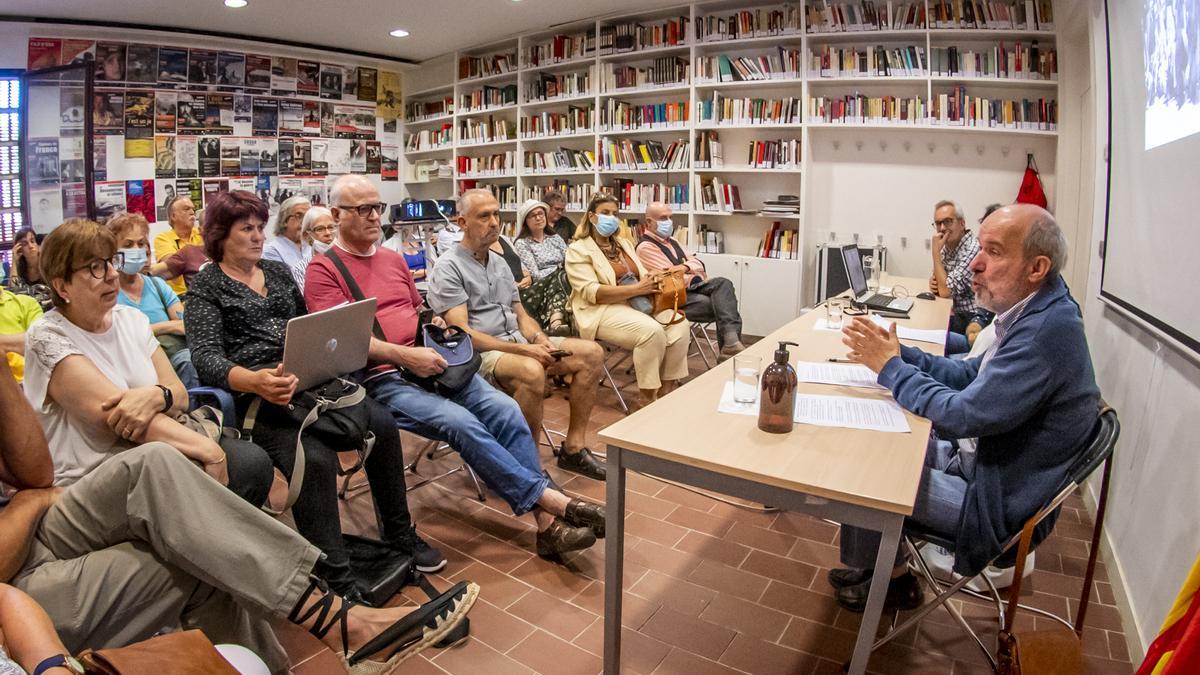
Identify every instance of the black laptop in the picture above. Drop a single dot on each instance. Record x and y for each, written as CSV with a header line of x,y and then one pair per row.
x,y
858,286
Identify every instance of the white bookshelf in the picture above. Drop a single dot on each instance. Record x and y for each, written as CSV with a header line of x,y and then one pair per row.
x,y
744,229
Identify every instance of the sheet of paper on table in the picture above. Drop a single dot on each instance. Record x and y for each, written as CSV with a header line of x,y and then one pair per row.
x,y
934,335
831,411
848,374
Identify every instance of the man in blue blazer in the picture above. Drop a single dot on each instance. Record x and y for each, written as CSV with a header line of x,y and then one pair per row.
x,y
1007,425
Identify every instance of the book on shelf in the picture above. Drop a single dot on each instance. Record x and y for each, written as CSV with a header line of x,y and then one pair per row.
x,y
634,196
645,155
548,86
486,66
486,130
715,195
721,109
628,36
577,119
662,71
953,108
420,110
992,14
708,150
863,109
560,48
824,16
495,164
776,154
506,195
562,159
489,96
835,61
708,240
617,115
429,139
749,23
1023,61
779,243
783,63
577,195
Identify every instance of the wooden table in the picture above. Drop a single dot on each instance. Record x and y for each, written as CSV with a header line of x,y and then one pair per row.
x,y
863,478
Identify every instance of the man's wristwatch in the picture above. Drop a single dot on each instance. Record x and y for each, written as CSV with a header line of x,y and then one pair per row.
x,y
60,661
168,398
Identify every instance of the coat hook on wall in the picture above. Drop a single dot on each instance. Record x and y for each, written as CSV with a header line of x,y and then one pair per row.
x,y
882,145
907,146
931,146
837,144
979,149
954,148
1004,150
858,144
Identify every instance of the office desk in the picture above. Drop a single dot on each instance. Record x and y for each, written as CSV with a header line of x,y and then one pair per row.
x,y
863,478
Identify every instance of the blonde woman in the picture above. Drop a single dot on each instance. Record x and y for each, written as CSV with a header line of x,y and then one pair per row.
x,y
607,283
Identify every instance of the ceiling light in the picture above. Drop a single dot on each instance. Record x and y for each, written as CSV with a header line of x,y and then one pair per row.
x,y
235,3
399,32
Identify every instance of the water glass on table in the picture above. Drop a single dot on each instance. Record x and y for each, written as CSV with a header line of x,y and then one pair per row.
x,y
834,307
745,378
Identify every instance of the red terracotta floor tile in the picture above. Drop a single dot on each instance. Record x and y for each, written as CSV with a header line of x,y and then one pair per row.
x,y
547,654
694,635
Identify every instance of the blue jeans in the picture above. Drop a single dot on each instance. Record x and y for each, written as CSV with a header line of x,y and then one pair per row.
x,y
182,363
482,424
939,503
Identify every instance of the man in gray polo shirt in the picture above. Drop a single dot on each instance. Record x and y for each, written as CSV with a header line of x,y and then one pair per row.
x,y
474,288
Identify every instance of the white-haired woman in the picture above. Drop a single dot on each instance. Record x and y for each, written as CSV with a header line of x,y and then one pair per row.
x,y
288,247
316,230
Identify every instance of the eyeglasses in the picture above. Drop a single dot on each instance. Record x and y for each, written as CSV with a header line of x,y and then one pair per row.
x,y
99,267
322,229
366,210
945,222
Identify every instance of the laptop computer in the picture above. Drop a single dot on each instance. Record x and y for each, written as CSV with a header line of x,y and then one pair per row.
x,y
858,285
330,343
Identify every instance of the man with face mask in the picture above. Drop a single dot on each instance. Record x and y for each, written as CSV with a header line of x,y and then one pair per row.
x,y
708,299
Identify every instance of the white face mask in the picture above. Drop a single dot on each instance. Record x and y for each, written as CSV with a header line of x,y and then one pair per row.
x,y
665,227
320,246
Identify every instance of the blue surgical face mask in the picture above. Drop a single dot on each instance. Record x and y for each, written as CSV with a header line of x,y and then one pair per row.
x,y
607,224
135,260
665,227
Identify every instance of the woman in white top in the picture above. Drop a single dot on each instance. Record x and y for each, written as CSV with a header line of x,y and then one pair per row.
x,y
317,230
99,380
288,247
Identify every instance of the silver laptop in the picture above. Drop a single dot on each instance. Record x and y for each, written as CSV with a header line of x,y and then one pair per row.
x,y
330,343
858,285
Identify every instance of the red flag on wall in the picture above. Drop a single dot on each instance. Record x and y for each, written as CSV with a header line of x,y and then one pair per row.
x,y
1031,185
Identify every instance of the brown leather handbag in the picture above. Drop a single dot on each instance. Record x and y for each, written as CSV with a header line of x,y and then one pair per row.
x,y
671,295
188,652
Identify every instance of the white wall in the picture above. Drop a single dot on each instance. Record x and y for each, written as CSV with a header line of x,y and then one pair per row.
x,y
14,38
1151,528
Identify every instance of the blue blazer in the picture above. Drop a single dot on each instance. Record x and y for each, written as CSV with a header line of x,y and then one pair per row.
x,y
1032,410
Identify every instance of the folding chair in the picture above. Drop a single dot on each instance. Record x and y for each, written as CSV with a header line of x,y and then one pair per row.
x,y
701,338
606,366
1099,451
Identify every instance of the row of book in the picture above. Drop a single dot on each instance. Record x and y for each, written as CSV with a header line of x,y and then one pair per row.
x,y
715,195
708,149
780,243
721,109
486,130
577,195
495,164
488,97
634,196
547,86
1021,62
781,153
632,36
708,240
876,61
577,119
429,139
486,66
642,155
664,70
783,64
422,110
952,109
506,195
617,115
865,15
562,159
749,23
992,14
559,48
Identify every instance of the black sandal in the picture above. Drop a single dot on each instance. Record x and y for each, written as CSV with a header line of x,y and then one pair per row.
x,y
428,625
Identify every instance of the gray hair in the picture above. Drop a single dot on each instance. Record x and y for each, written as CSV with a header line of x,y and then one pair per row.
x,y
553,196
958,212
335,191
311,218
285,211
1046,238
991,208
469,196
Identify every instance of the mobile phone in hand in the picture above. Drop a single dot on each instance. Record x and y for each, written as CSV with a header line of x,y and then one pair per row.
x,y
559,353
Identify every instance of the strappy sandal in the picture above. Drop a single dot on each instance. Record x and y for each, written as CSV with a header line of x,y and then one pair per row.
x,y
423,628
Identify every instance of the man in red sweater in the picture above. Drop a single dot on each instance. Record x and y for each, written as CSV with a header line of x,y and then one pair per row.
x,y
483,424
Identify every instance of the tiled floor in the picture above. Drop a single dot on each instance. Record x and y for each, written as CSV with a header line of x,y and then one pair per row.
x,y
709,588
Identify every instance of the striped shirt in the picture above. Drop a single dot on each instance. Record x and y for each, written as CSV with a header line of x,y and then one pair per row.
x,y
958,272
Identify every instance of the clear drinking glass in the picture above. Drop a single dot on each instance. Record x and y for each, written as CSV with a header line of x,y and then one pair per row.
x,y
871,272
833,313
745,378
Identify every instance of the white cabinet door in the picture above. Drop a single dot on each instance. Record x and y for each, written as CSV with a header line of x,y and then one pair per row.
x,y
769,293
722,265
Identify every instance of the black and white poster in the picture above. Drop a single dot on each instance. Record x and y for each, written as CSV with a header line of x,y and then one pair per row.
x,y
231,70
172,66
141,64
331,81
266,116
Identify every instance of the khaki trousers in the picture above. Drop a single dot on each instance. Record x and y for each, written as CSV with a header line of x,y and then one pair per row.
x,y
659,352
147,541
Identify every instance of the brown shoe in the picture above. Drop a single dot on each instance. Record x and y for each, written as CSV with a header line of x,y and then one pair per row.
x,y
586,514
582,462
562,538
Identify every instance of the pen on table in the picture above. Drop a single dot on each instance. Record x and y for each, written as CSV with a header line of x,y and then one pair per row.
x,y
840,361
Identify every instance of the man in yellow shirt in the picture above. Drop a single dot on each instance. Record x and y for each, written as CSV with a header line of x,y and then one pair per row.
x,y
17,312
181,213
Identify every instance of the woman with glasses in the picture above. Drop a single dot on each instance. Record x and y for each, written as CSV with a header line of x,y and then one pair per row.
x,y
99,380
543,253
26,277
236,321
288,246
317,230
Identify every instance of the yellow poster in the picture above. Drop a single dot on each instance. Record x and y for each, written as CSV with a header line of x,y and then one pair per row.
x,y
388,103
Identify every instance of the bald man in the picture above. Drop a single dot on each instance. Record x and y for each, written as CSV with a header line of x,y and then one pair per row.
x,y
1008,424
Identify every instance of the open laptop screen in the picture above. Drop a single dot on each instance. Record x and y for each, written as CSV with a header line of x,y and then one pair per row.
x,y
854,270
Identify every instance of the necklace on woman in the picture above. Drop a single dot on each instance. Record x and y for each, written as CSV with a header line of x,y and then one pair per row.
x,y
611,250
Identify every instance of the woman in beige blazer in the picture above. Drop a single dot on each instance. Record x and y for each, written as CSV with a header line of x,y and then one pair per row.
x,y
596,259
